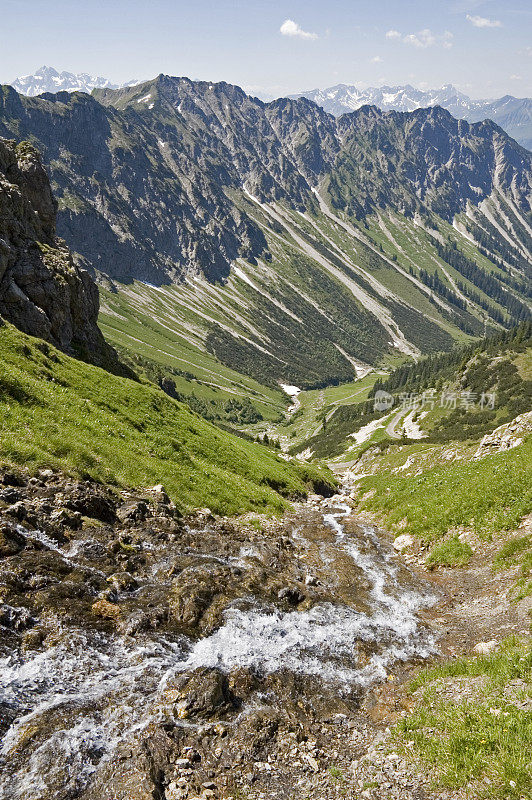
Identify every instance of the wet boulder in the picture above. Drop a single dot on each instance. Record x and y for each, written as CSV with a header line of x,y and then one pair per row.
x,y
149,620
67,518
203,693
133,512
90,501
10,495
11,540
106,610
257,732
292,595
135,772
243,681
122,582
21,510
33,639
199,596
17,619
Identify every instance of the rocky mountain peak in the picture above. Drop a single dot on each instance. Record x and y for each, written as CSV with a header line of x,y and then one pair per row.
x,y
48,79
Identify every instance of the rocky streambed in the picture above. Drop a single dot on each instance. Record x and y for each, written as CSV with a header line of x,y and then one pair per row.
x,y
148,656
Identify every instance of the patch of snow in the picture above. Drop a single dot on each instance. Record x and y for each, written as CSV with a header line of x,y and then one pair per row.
x,y
305,455
291,391
365,432
151,285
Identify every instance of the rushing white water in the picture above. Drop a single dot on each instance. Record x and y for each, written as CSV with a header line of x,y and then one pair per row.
x,y
318,642
97,687
322,641
77,700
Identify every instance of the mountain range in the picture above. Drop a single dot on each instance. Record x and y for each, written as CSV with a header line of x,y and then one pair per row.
x,y
514,114
233,237
48,79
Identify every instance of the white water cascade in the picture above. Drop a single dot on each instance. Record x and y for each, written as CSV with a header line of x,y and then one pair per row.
x,y
72,704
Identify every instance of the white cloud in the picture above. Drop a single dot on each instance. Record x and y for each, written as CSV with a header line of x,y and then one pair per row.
x,y
447,40
291,28
425,38
393,34
377,60
516,77
483,22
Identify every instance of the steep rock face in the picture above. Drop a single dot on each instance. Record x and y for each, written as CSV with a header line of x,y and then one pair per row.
x,y
145,175
308,134
425,159
142,192
42,292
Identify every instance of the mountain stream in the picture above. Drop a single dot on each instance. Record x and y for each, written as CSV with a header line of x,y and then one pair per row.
x,y
74,693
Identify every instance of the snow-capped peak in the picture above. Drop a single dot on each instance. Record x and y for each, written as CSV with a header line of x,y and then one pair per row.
x,y
48,79
511,113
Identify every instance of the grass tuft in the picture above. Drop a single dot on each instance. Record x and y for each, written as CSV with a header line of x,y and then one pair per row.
x,y
468,742
450,553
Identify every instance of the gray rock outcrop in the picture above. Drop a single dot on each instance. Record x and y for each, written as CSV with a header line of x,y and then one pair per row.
x,y
42,291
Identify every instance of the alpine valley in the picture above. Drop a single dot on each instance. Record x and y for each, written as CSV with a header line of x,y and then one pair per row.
x,y
274,240
265,448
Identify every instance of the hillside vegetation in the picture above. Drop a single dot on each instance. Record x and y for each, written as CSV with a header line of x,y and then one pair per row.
x,y
488,495
498,367
62,413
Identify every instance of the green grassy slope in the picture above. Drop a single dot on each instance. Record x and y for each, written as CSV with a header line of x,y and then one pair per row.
x,y
484,739
59,412
488,495
155,324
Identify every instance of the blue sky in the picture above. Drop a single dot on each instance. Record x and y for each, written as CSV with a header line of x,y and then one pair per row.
x,y
274,48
